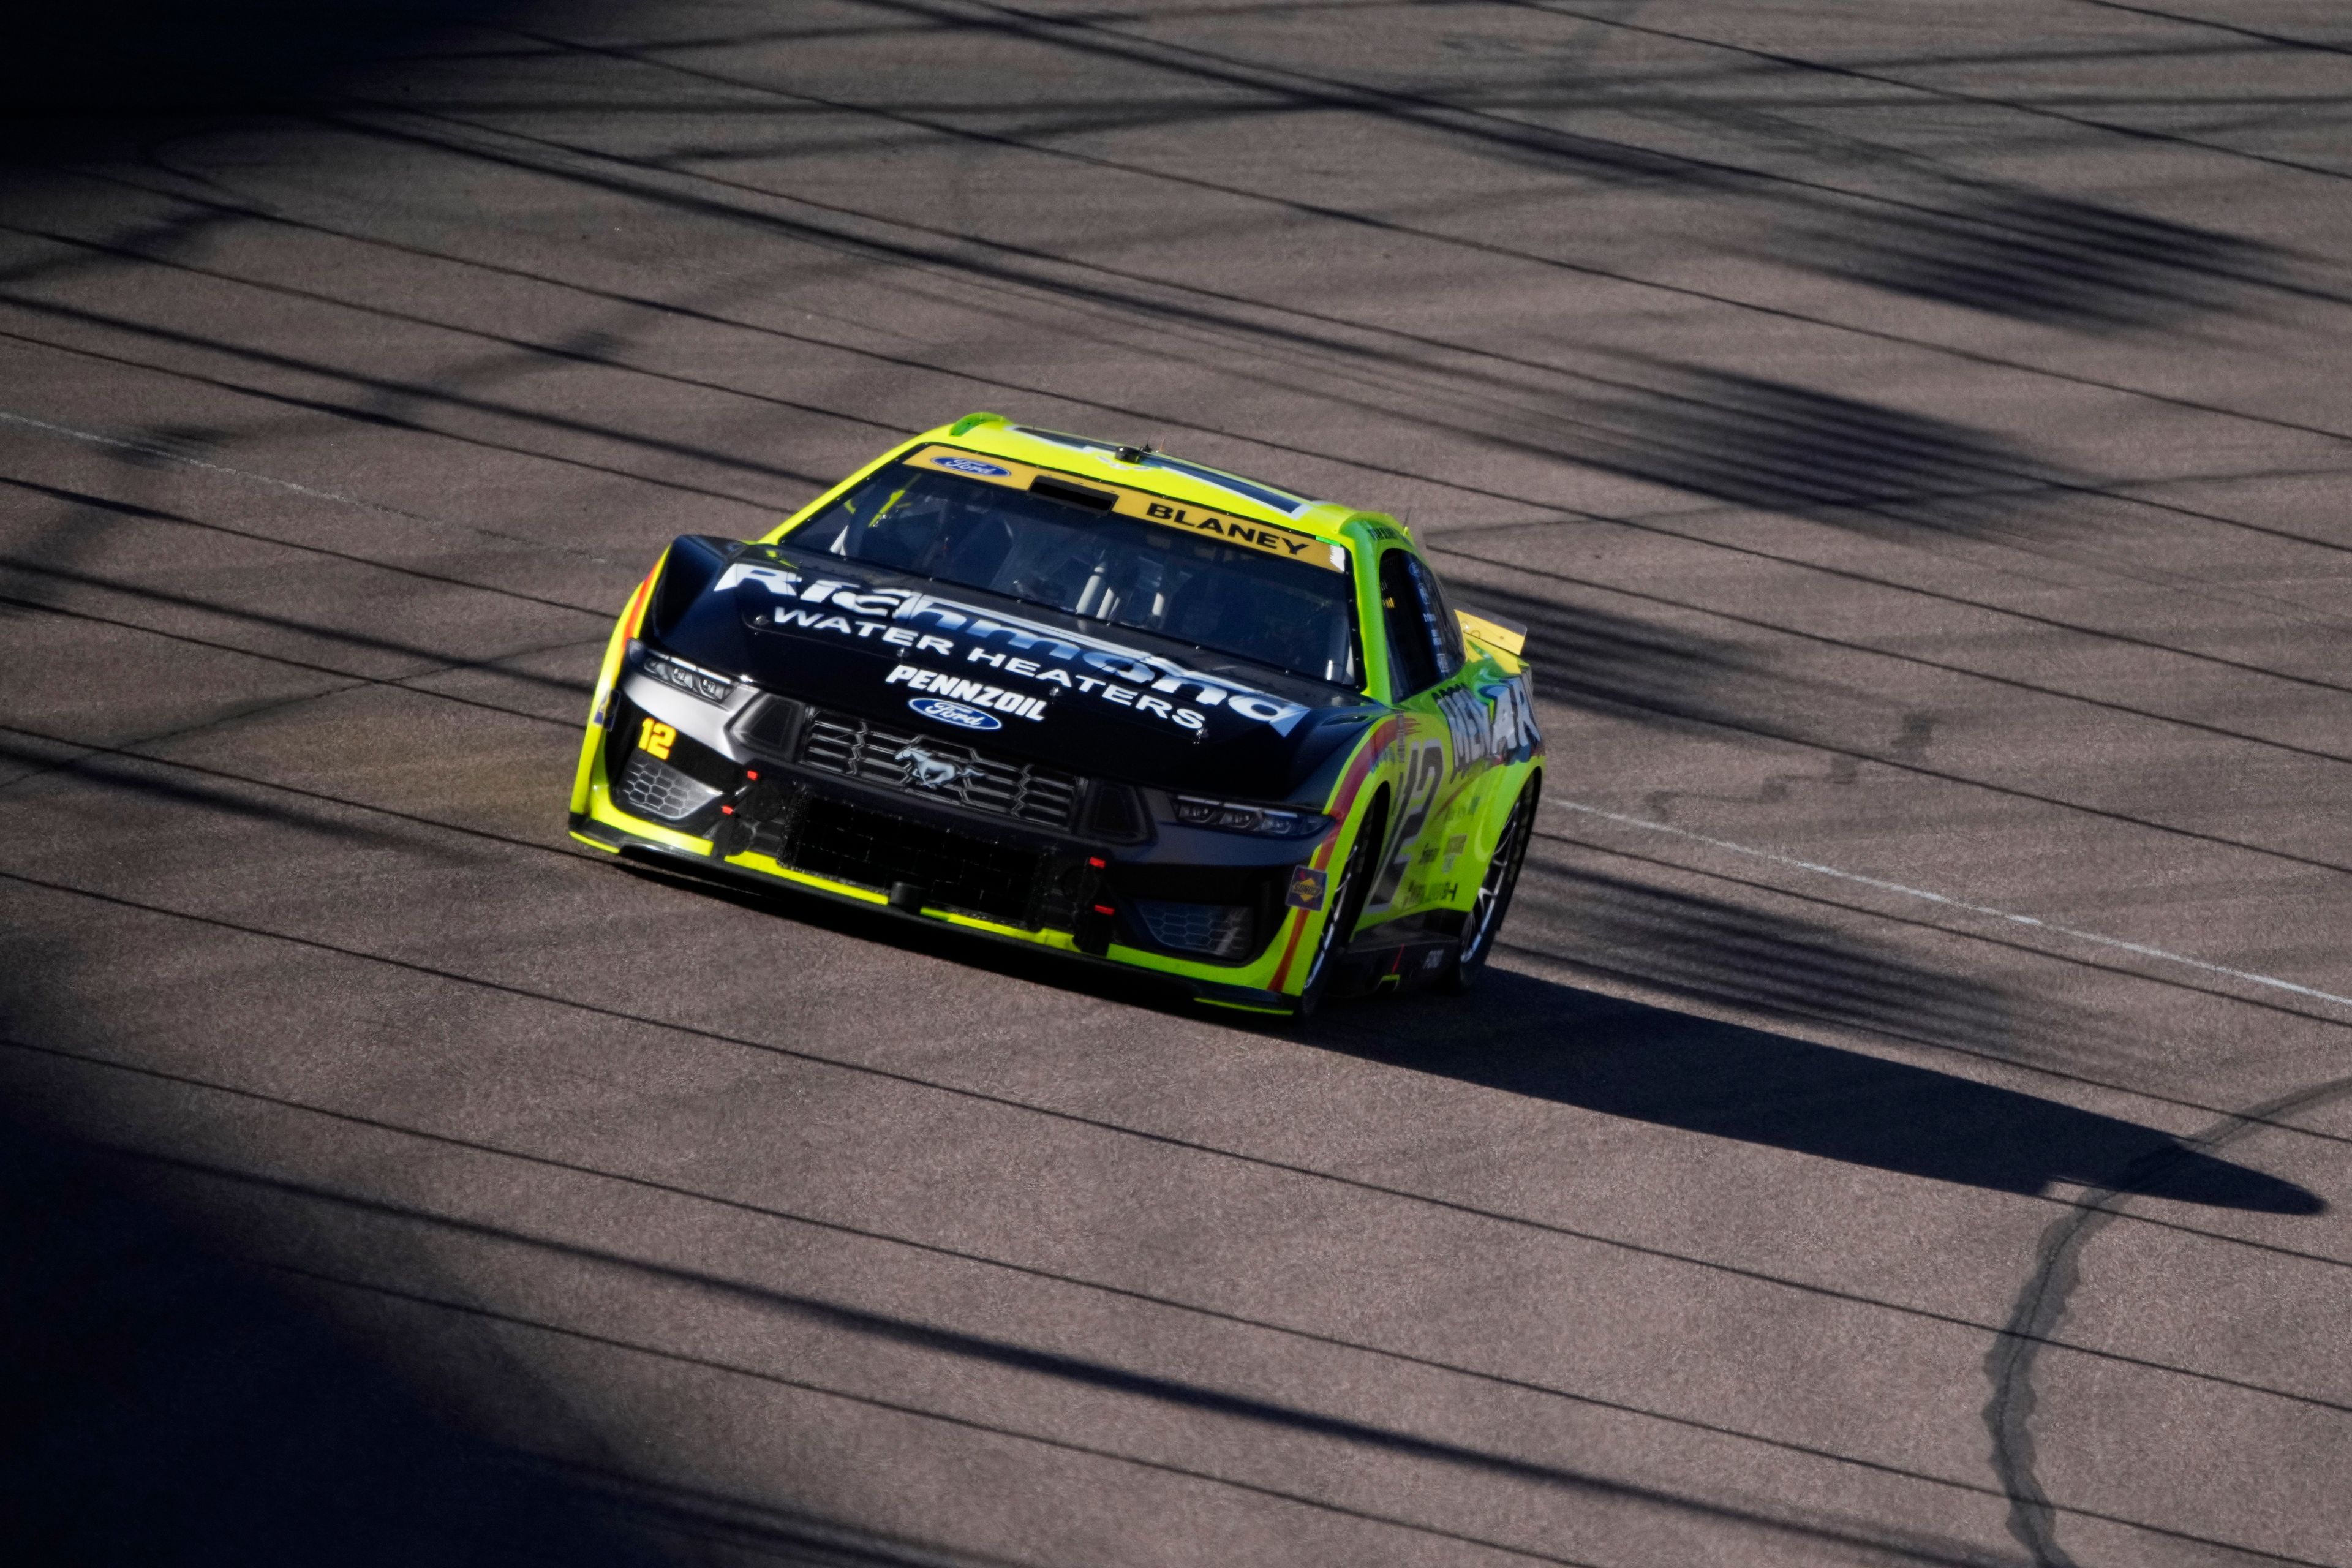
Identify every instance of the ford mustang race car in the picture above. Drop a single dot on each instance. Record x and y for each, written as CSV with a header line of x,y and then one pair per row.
x,y
1087,696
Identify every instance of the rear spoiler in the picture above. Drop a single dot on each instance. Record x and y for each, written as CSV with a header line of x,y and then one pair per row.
x,y
1495,631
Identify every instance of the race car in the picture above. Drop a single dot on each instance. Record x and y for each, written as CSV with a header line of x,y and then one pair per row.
x,y
1088,697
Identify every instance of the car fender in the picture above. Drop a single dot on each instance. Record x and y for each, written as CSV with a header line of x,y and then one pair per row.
x,y
608,675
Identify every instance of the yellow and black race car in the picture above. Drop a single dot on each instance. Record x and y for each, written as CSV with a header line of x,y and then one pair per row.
x,y
1087,696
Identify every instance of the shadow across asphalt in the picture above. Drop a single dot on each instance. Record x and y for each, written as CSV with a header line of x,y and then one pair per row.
x,y
130,58
1530,1035
2037,257
163,1403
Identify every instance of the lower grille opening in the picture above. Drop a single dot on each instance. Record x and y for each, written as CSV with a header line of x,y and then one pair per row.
x,y
1225,914
651,787
874,849
1213,930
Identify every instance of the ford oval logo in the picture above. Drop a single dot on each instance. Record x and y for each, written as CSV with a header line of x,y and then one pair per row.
x,y
954,713
972,466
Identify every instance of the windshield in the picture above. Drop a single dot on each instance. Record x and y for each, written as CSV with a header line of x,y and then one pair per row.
x,y
1120,571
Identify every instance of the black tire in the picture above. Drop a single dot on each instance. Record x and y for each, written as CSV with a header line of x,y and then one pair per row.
x,y
1494,901
1347,907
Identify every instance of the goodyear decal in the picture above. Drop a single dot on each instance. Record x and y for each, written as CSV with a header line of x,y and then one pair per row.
x,y
1265,537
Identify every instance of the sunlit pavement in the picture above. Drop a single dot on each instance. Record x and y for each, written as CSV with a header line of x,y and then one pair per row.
x,y
1906,1121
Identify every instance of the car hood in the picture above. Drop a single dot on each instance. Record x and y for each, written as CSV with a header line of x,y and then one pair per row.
x,y
1005,675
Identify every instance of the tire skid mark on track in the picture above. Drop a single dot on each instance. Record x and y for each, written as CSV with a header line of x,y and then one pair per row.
x,y
1211,1314
1360,464
2076,961
86,750
962,265
324,632
1102,35
2061,1075
355,682
2150,825
1081,1372
1053,32
2039,1311
1848,646
965,268
1164,1140
1790,738
757,1375
636,185
408,392
154,515
372,416
319,797
2139,949
550,351
2095,634
1487,434
2131,133
1651,523
180,519
2282,40
165,455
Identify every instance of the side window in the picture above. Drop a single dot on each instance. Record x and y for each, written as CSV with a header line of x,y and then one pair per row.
x,y
1405,611
1444,627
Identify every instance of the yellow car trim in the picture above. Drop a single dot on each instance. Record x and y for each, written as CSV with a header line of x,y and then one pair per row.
x,y
1191,516
1480,629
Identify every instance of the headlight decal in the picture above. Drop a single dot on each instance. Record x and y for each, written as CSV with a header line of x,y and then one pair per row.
x,y
693,680
1239,816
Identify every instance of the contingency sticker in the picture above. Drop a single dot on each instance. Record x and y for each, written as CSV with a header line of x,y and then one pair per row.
x,y
1288,543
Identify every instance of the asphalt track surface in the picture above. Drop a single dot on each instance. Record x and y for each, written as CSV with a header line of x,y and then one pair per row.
x,y
1911,1117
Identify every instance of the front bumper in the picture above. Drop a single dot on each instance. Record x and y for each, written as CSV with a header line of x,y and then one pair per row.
x,y
738,790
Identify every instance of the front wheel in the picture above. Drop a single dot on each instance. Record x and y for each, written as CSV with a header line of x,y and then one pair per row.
x,y
1347,905
1494,901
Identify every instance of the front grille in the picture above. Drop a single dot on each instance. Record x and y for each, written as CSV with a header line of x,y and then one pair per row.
x,y
943,770
651,787
1219,930
876,850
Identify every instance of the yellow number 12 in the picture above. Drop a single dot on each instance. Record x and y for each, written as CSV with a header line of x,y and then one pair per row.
x,y
655,738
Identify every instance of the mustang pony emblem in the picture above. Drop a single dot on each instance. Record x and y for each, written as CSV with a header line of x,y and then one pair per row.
x,y
931,772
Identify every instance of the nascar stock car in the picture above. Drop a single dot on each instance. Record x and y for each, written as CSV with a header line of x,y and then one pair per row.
x,y
1088,697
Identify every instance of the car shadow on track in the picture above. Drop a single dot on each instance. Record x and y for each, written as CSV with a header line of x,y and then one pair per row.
x,y
1748,1081
1525,1035
1528,1036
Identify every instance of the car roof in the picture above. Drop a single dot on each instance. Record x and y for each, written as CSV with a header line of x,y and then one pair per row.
x,y
1162,473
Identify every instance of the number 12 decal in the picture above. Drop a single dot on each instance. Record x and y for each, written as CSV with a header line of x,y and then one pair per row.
x,y
1424,770
655,737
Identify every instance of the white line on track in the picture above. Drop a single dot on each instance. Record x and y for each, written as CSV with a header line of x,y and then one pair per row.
x,y
164,454
1815,866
